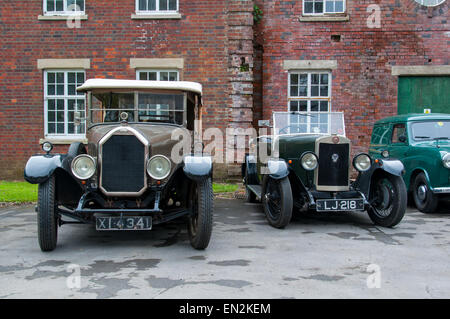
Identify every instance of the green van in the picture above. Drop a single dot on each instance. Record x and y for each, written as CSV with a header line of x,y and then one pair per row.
x,y
422,143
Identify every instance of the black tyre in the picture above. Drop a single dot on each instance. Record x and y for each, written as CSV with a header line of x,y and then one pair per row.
x,y
277,202
46,216
423,197
388,197
250,197
201,222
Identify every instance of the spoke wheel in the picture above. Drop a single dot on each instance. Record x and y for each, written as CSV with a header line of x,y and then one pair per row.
x,y
277,202
388,198
200,222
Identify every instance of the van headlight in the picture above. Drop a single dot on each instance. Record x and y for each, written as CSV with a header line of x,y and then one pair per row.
x,y
362,162
158,167
83,167
446,160
309,161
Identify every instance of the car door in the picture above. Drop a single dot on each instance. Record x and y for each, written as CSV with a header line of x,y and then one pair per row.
x,y
399,146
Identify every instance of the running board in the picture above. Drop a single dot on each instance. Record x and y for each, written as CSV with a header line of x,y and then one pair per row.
x,y
256,189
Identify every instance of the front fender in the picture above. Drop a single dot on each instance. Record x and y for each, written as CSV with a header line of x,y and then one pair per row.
x,y
39,168
197,167
393,167
278,169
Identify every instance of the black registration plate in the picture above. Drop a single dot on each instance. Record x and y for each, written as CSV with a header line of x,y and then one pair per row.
x,y
339,205
124,223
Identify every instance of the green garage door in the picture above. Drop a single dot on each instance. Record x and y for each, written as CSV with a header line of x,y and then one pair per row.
x,y
417,93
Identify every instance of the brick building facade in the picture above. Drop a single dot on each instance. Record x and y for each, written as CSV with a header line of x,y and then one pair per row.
x,y
244,67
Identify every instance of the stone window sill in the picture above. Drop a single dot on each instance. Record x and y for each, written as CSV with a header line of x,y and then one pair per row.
x,y
62,140
325,18
62,17
168,16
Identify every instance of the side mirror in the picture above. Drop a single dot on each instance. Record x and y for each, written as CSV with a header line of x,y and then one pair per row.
x,y
402,139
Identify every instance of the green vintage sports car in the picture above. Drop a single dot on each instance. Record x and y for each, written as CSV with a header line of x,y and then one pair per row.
x,y
422,143
306,165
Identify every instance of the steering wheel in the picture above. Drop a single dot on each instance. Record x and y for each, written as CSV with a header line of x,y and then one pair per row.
x,y
284,130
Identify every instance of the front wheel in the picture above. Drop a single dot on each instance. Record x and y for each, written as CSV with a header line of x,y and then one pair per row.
x,y
277,202
200,223
46,216
423,197
388,197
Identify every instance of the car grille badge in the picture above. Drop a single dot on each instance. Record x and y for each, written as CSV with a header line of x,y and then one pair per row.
x,y
335,158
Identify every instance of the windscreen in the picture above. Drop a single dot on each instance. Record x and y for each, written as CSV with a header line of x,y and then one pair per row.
x,y
431,130
285,123
150,107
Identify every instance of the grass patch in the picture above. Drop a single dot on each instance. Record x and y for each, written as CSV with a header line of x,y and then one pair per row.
x,y
18,192
225,188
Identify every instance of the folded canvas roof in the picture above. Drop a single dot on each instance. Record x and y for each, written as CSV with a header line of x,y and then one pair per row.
x,y
93,84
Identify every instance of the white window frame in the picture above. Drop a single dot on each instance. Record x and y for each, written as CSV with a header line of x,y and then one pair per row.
x,y
308,98
66,97
157,10
158,73
65,11
344,9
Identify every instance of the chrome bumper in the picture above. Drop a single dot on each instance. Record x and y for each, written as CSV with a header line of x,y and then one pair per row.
x,y
441,190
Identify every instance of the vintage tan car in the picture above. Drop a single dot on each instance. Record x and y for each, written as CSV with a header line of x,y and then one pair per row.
x,y
127,178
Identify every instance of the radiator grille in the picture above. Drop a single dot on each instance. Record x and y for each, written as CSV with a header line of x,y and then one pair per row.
x,y
333,164
123,167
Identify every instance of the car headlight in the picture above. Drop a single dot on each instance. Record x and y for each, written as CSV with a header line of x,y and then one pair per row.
x,y
83,167
158,167
47,147
309,161
446,160
362,162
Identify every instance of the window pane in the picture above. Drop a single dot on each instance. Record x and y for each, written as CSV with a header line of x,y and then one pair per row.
x,y
60,89
151,5
303,91
173,76
80,78
51,90
294,79
51,104
323,106
324,79
164,76
162,5
51,77
309,7
60,78
303,106
143,76
293,106
51,128
294,90
318,7
173,5
339,6
152,76
60,105
80,4
71,77
60,128
324,90
72,90
304,79
51,116
50,5
314,90
329,6
142,5
314,78
59,5
314,106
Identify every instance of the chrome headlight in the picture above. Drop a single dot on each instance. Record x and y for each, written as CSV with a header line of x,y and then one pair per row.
x,y
158,167
47,147
362,162
309,161
446,160
83,167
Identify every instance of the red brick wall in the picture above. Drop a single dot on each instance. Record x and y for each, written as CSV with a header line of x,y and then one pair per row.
x,y
109,38
363,86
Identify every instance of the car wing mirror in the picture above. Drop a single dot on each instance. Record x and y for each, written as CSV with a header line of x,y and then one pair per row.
x,y
402,139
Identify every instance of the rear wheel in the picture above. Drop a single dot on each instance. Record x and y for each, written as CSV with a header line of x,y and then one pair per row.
x,y
277,202
200,223
423,197
46,215
388,198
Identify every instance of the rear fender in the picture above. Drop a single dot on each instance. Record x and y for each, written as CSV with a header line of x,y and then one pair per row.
x,y
249,166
